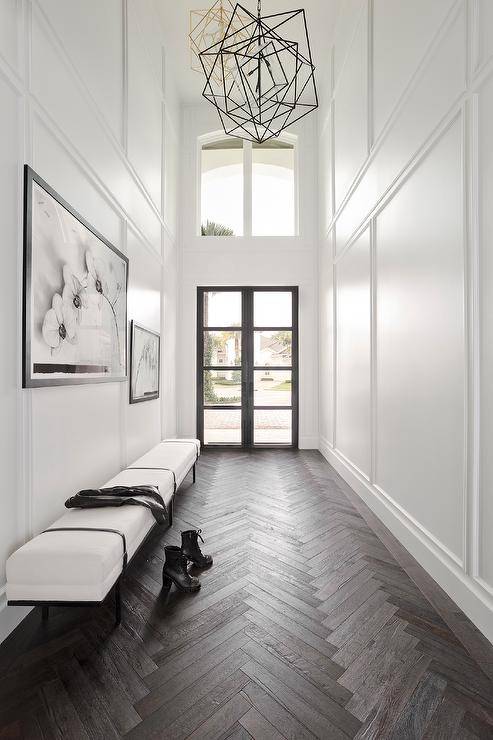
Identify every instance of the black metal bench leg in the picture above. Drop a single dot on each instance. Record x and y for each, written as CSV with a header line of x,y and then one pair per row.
x,y
118,603
194,475
45,613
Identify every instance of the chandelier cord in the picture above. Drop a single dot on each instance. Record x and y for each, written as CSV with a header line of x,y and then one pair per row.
x,y
259,8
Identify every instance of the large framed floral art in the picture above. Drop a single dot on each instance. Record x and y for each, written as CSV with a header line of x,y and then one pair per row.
x,y
75,295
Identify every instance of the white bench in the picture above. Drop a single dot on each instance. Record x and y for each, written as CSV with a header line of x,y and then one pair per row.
x,y
81,564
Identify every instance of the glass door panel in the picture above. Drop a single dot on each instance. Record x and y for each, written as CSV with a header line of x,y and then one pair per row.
x,y
272,388
275,407
273,308
222,348
273,348
272,427
222,427
222,387
222,308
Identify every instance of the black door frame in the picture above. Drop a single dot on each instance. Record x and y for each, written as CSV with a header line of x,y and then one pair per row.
x,y
247,363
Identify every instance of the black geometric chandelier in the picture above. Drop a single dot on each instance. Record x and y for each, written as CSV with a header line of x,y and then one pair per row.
x,y
259,81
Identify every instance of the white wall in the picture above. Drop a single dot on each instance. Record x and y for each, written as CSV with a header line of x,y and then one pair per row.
x,y
84,102
248,261
406,277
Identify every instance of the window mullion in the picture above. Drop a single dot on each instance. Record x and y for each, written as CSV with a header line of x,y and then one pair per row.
x,y
247,188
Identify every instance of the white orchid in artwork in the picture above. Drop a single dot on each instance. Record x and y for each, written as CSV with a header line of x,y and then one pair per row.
x,y
62,320
74,293
59,325
98,272
96,269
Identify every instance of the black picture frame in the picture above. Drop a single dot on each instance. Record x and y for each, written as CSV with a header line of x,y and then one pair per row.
x,y
152,395
85,373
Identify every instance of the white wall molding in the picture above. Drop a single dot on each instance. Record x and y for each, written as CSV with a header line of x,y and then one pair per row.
x,y
324,442
478,65
472,598
117,145
373,351
158,79
357,471
480,307
44,116
334,346
426,148
434,124
472,316
9,619
63,154
411,85
474,22
485,587
397,510
10,76
124,121
370,133
483,76
15,67
335,78
120,147
308,442
224,245
45,119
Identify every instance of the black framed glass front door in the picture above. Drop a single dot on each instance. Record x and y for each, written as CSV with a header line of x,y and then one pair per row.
x,y
247,366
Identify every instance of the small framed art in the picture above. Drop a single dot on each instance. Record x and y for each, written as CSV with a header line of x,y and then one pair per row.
x,y
144,363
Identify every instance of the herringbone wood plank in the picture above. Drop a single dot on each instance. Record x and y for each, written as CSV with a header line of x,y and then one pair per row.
x,y
306,626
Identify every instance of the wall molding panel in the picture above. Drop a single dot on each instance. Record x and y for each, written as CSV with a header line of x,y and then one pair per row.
x,y
475,600
432,542
117,144
86,160
458,8
432,134
483,176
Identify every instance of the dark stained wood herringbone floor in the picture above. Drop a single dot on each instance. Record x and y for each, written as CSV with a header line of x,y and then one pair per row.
x,y
306,626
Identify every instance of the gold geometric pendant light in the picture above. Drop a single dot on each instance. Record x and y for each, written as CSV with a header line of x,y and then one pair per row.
x,y
208,27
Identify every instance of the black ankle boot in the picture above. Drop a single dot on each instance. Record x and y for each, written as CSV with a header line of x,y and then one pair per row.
x,y
175,571
190,547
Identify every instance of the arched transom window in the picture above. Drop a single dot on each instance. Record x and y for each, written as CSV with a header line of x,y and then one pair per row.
x,y
248,189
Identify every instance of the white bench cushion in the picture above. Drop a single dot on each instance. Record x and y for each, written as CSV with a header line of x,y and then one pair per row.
x,y
176,455
175,440
77,566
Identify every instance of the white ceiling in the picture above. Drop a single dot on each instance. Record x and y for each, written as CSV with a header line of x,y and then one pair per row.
x,y
321,16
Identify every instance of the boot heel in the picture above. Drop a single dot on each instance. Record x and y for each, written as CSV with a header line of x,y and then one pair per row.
x,y
175,571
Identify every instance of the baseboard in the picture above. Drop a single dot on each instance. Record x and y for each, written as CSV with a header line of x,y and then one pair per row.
x,y
308,443
10,616
467,593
